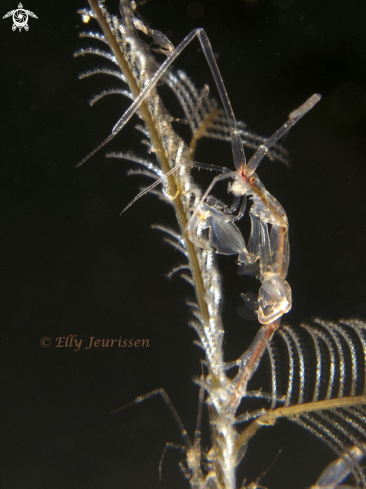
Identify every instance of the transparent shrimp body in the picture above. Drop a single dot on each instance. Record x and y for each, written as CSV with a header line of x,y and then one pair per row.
x,y
223,234
267,248
267,254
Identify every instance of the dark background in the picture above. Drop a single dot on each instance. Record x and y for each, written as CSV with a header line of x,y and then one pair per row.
x,y
70,265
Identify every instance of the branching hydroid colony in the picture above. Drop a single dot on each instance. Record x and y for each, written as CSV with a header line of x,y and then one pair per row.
x,y
326,398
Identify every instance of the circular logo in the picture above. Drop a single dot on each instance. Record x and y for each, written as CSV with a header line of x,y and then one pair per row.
x,y
20,18
45,342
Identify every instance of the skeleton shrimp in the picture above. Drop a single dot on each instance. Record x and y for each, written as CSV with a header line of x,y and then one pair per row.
x,y
196,459
267,251
267,254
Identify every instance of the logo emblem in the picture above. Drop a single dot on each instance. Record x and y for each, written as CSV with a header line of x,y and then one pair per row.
x,y
20,17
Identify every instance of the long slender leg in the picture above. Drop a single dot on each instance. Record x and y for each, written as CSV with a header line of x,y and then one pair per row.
x,y
238,151
168,445
237,146
170,405
170,172
193,451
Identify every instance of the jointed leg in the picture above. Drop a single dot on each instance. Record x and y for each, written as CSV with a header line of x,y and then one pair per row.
x,y
237,146
169,403
193,451
218,178
194,164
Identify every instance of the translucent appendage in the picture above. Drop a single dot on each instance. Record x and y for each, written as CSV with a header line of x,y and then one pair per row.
x,y
336,472
248,268
250,307
254,246
269,210
274,298
224,236
280,250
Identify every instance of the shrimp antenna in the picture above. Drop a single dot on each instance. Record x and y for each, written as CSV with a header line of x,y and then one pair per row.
x,y
95,150
205,166
237,146
254,485
294,117
150,187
